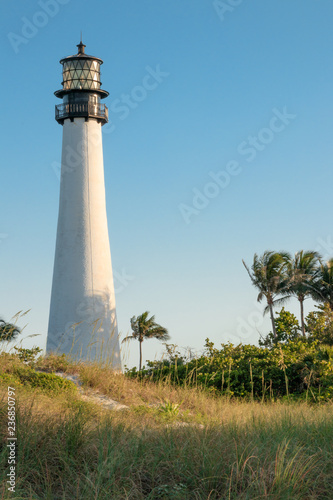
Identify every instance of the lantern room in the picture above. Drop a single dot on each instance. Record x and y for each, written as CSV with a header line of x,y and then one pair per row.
x,y
81,88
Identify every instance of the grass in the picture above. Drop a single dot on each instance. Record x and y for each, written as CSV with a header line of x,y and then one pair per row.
x,y
68,448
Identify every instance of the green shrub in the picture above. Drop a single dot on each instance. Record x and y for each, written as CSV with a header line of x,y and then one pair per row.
x,y
319,324
47,382
297,368
287,329
28,355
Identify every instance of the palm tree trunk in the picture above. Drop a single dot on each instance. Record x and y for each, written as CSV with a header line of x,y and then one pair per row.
x,y
302,316
272,317
140,363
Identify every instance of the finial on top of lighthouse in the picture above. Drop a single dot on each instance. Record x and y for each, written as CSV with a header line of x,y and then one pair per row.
x,y
81,46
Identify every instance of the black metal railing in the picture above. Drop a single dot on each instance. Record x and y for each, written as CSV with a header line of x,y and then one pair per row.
x,y
83,109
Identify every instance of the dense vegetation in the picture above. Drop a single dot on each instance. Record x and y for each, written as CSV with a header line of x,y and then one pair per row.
x,y
286,365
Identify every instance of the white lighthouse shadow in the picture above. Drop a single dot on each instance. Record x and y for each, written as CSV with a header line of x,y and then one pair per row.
x,y
92,333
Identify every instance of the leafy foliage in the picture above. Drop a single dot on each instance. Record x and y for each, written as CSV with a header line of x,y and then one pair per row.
x,y
47,382
297,368
323,285
169,409
287,328
28,355
8,331
320,325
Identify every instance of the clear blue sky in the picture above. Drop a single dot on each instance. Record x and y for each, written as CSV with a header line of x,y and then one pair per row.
x,y
227,74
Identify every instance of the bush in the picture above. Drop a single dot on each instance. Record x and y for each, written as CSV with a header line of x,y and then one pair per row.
x,y
299,368
287,328
28,355
47,382
319,325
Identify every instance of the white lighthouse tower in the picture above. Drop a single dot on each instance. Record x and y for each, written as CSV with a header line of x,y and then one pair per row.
x,y
83,319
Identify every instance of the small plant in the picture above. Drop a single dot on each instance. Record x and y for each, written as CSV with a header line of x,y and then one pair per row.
x,y
28,355
170,409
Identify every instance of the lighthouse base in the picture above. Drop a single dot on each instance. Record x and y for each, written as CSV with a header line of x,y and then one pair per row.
x,y
91,334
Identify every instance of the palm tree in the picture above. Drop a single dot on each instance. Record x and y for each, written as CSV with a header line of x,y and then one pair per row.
x,y
268,276
146,328
301,272
322,289
8,331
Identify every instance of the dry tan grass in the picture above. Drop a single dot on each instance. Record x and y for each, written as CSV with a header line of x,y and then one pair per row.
x,y
195,401
246,450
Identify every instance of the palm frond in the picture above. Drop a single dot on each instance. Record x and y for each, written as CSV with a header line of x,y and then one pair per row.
x,y
281,301
129,337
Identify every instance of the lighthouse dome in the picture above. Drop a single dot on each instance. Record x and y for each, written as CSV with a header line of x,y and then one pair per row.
x,y
81,72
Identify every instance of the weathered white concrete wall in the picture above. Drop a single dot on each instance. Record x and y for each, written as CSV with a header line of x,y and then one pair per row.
x,y
83,289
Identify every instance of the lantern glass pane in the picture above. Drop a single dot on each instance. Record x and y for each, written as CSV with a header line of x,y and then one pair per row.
x,y
81,74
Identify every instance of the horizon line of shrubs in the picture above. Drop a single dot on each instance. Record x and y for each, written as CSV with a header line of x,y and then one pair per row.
x,y
285,366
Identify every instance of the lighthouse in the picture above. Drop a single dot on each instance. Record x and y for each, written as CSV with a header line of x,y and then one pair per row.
x,y
83,320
